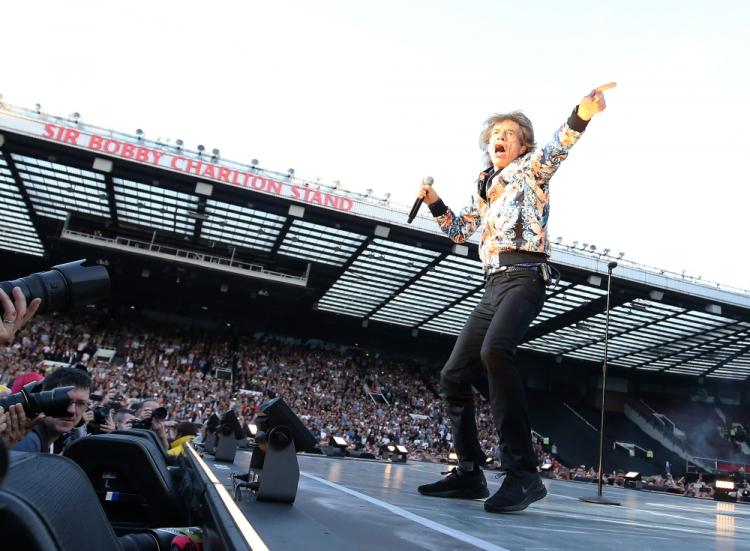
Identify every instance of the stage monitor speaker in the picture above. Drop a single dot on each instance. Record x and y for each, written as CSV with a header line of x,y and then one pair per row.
x,y
276,413
226,448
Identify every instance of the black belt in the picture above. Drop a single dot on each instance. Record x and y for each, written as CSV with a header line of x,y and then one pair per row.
x,y
524,266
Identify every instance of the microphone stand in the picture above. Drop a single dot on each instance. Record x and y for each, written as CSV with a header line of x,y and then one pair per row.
x,y
598,498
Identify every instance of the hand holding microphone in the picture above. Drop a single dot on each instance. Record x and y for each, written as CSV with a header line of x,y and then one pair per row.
x,y
426,194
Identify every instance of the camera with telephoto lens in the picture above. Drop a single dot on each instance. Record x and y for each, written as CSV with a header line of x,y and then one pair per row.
x,y
159,414
101,413
63,287
53,402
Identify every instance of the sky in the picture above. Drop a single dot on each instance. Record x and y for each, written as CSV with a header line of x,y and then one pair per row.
x,y
380,94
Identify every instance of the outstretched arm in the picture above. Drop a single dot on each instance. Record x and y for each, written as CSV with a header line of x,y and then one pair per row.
x,y
547,159
594,103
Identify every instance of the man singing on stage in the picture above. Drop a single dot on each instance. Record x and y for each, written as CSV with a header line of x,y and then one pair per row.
x,y
512,207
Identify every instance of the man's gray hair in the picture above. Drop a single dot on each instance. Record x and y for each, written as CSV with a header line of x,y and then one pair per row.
x,y
527,131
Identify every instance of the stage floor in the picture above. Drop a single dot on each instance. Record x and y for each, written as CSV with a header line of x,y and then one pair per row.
x,y
345,504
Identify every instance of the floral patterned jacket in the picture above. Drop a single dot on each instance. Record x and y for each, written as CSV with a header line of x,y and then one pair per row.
x,y
515,207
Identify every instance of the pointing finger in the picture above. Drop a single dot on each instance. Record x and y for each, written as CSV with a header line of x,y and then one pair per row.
x,y
605,87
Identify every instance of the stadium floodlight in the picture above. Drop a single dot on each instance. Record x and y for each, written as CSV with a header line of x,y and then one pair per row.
x,y
606,251
592,248
290,173
724,485
339,442
215,154
336,184
725,490
254,163
38,108
575,244
620,254
139,133
75,117
201,149
633,480
558,240
398,453
179,143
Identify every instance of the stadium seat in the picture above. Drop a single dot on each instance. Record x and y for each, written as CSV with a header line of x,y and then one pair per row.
x,y
47,504
132,480
150,436
143,433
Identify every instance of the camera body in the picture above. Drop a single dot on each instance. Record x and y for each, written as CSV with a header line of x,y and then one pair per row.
x,y
159,414
53,402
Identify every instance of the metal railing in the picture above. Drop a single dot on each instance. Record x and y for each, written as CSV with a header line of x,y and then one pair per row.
x,y
185,256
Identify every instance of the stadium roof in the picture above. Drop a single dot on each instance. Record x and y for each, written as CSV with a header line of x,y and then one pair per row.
x,y
65,183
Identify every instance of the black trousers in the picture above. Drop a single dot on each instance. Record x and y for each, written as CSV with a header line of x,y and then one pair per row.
x,y
483,358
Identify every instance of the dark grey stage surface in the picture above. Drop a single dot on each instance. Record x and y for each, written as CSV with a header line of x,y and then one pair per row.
x,y
354,504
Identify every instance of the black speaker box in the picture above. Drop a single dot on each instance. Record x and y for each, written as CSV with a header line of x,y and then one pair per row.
x,y
277,413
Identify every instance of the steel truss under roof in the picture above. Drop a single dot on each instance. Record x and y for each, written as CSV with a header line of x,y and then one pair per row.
x,y
410,279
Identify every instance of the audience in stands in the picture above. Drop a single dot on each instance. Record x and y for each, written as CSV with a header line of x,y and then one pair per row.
x,y
368,399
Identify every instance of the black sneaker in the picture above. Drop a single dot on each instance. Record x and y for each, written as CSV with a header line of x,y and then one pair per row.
x,y
458,484
519,490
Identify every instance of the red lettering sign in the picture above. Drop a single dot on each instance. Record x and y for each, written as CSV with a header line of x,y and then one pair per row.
x,y
232,177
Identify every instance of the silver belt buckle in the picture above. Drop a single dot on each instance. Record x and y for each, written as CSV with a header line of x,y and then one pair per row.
x,y
496,269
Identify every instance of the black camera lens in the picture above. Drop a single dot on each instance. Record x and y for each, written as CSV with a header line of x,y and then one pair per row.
x,y
63,287
159,413
53,402
101,413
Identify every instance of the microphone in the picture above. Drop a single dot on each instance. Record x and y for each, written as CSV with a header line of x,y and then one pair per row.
x,y
427,180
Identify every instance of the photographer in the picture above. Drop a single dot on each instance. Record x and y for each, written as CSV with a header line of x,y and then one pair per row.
x,y
13,424
150,415
100,419
46,433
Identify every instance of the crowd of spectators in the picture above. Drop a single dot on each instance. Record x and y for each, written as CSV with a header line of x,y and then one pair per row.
x,y
369,399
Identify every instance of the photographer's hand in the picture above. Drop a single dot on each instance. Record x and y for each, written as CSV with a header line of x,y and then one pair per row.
x,y
111,393
16,425
15,315
108,425
157,425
